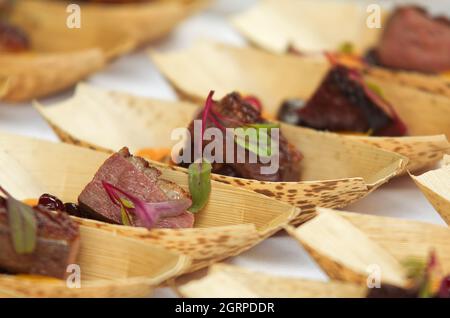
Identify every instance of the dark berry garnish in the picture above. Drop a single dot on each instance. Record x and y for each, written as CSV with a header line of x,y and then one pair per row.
x,y
289,111
72,209
51,202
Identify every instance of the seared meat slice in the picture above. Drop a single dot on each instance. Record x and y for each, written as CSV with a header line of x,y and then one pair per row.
x,y
135,176
234,112
413,40
56,248
344,103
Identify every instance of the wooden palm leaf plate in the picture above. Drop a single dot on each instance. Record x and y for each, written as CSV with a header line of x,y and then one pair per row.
x,y
310,26
335,171
61,56
233,220
207,66
349,245
435,185
226,281
111,265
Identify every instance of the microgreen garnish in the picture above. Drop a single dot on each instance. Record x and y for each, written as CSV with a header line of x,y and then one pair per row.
x,y
262,144
427,277
199,172
346,48
22,224
375,88
199,184
148,213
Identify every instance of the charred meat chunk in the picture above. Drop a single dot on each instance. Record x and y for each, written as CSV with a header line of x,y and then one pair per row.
x,y
135,176
56,246
413,40
233,111
344,103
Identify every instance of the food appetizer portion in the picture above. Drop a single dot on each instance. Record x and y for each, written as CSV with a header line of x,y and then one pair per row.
x,y
426,280
413,40
46,253
127,190
435,185
35,240
322,168
390,246
406,46
367,104
123,194
233,112
344,102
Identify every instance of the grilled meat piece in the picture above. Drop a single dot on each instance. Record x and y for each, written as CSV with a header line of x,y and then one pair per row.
x,y
135,176
344,103
234,112
413,40
56,247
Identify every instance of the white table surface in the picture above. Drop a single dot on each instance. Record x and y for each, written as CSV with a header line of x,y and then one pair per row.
x,y
136,74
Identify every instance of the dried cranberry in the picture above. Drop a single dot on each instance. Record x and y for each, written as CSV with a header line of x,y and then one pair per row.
x,y
289,111
51,202
72,209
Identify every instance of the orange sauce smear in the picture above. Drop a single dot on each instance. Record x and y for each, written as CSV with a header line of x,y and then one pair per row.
x,y
156,154
31,202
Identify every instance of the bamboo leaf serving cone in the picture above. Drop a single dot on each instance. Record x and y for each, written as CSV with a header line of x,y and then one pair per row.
x,y
61,56
310,27
348,245
435,185
224,68
233,220
335,171
226,281
111,265
307,25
